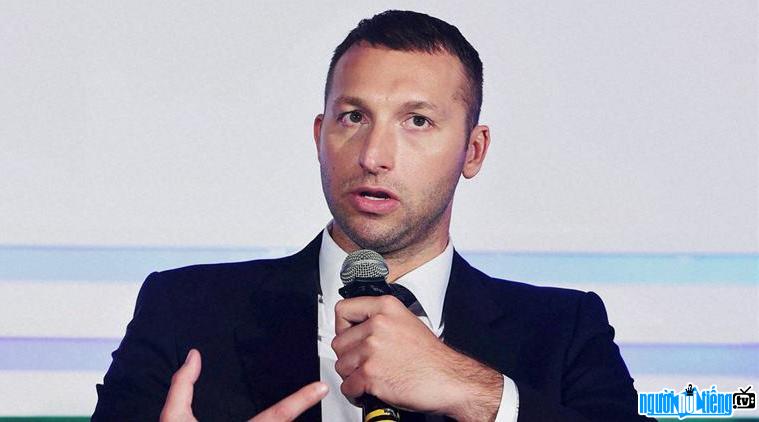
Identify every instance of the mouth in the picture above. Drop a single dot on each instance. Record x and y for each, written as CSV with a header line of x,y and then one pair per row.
x,y
374,194
374,200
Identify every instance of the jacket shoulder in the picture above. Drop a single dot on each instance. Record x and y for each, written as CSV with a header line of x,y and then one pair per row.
x,y
542,299
212,274
198,286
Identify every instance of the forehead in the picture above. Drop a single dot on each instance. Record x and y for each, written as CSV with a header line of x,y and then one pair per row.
x,y
382,74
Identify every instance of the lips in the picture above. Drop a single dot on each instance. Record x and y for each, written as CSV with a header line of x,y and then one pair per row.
x,y
375,192
374,200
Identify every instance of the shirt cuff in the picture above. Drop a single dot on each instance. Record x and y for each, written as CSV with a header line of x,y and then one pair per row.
x,y
508,410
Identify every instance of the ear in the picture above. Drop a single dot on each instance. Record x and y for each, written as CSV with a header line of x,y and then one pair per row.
x,y
477,148
318,120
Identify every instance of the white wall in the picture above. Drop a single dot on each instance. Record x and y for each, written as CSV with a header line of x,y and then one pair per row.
x,y
617,126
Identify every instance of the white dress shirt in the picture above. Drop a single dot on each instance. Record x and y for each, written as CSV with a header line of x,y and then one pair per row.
x,y
427,282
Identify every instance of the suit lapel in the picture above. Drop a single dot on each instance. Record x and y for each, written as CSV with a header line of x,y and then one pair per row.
x,y
278,343
474,322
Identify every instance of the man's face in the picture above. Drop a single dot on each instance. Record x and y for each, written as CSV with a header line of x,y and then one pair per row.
x,y
392,143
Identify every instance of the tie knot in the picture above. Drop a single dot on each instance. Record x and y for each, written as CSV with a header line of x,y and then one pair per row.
x,y
408,299
403,294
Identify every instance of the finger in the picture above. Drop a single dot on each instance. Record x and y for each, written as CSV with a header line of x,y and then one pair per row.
x,y
354,386
179,397
351,360
350,337
349,312
293,405
342,307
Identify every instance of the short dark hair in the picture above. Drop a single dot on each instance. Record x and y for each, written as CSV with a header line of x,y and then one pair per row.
x,y
413,31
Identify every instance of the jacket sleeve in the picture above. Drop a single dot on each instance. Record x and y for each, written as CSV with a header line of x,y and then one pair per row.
x,y
135,386
596,385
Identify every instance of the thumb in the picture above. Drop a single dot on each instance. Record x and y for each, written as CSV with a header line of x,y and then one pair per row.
x,y
179,399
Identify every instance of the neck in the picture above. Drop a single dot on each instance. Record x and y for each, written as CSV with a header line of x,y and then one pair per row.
x,y
403,260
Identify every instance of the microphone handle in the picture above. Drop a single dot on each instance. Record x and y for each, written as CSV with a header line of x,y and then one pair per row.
x,y
373,409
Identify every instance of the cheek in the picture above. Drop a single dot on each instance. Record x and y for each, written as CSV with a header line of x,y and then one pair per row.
x,y
333,174
328,160
334,152
435,159
340,155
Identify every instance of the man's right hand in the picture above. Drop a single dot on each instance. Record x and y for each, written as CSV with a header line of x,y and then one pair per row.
x,y
178,406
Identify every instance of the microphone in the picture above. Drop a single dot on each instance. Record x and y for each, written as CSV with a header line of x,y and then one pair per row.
x,y
364,273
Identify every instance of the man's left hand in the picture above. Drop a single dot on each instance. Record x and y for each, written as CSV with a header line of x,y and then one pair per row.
x,y
384,350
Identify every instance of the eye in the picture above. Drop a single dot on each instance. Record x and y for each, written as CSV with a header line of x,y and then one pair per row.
x,y
417,122
351,118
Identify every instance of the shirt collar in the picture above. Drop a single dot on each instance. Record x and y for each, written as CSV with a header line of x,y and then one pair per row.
x,y
427,282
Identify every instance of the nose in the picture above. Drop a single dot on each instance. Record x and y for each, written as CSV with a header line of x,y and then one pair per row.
x,y
378,150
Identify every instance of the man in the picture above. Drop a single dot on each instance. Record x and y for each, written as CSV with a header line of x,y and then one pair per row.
x,y
399,127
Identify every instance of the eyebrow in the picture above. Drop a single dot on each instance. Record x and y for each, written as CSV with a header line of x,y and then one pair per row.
x,y
414,105
408,105
347,99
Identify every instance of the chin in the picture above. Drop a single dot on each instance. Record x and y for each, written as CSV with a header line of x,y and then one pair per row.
x,y
372,235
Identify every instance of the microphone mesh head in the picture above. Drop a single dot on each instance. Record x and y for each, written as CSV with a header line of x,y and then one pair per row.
x,y
363,263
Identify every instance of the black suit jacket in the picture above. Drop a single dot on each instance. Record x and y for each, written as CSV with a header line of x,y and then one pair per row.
x,y
255,324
